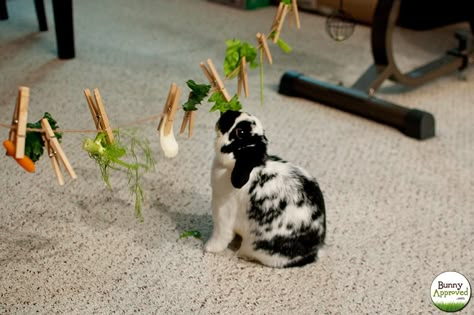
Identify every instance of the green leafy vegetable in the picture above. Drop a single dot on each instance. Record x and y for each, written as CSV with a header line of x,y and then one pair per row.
x,y
34,143
198,93
237,49
222,105
284,46
281,43
190,233
116,156
287,2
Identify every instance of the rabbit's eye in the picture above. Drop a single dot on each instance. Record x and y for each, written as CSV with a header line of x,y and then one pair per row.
x,y
239,133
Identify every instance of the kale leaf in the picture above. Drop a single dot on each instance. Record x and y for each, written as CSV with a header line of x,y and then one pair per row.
x,y
34,143
222,105
198,93
237,49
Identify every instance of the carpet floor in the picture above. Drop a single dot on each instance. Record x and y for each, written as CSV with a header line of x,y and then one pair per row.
x,y
399,211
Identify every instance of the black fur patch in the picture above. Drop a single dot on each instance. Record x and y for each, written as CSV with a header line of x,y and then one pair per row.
x,y
242,130
261,214
246,145
250,151
302,243
227,120
276,159
310,193
303,261
262,179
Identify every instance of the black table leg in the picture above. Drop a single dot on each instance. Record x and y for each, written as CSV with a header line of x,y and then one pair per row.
x,y
3,10
64,25
41,14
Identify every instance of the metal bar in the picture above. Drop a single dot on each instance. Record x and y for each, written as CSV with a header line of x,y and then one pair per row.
x,y
412,122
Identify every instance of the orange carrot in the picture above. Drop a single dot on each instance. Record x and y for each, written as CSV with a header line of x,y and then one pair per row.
x,y
24,162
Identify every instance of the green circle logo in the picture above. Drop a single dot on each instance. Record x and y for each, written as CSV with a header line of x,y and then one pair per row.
x,y
450,291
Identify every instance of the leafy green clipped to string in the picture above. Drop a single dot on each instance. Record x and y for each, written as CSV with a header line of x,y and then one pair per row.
x,y
34,143
284,46
236,49
222,105
136,159
134,174
281,43
105,155
198,93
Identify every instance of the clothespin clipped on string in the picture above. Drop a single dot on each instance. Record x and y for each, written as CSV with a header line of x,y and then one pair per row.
x,y
262,43
55,152
169,111
294,9
280,16
20,116
99,115
15,145
188,121
168,142
213,77
243,81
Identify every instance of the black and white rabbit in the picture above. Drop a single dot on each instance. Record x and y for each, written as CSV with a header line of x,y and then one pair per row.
x,y
277,208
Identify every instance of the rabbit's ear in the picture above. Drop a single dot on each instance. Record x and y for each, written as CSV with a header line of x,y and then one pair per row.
x,y
248,155
241,173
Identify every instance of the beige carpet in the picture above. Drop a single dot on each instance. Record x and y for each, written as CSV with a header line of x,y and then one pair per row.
x,y
399,211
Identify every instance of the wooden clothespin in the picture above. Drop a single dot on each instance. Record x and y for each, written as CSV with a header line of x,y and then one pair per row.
x,y
243,81
188,121
99,115
294,8
280,16
169,111
55,152
213,77
262,42
20,116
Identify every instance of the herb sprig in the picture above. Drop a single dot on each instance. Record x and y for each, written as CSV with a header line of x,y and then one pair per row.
x,y
136,159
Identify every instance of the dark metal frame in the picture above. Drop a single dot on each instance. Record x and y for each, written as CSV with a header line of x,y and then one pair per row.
x,y
360,99
64,24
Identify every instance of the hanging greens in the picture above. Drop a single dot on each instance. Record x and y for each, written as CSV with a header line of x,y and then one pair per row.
x,y
222,105
136,159
198,93
281,43
34,143
235,51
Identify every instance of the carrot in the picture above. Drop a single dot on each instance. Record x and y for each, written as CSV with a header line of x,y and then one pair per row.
x,y
24,162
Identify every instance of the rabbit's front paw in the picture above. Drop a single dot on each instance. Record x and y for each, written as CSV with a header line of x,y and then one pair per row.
x,y
214,246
